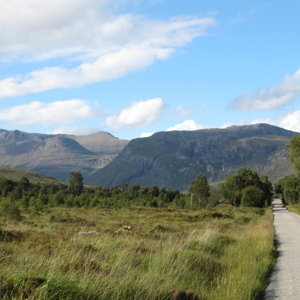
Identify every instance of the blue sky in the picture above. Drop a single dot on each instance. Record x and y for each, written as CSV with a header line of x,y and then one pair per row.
x,y
141,66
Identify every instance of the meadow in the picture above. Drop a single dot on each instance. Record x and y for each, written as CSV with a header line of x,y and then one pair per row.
x,y
225,252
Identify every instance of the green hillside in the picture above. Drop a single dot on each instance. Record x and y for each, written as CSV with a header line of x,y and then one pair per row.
x,y
17,174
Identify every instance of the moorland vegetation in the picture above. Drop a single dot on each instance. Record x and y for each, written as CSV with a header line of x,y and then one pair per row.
x,y
70,241
60,241
224,252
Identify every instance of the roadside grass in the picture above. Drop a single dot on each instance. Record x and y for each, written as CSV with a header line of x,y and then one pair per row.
x,y
139,253
294,208
251,261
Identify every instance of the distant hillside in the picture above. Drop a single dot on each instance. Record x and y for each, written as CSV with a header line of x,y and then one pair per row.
x,y
173,159
57,155
17,174
100,142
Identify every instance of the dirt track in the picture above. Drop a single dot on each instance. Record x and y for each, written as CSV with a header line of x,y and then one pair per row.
x,y
285,279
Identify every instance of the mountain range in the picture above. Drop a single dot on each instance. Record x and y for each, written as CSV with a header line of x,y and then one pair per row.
x,y
173,159
166,159
56,155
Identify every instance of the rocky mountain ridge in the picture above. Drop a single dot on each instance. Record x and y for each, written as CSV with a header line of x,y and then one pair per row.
x,y
173,159
166,159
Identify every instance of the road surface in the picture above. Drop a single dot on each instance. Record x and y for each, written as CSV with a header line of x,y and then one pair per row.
x,y
285,279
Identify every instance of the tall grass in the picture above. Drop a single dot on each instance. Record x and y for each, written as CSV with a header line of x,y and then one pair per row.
x,y
249,262
224,253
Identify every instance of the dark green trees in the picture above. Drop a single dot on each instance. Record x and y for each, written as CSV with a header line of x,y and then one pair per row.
x,y
200,191
294,152
76,183
252,197
246,188
267,189
10,210
24,184
288,187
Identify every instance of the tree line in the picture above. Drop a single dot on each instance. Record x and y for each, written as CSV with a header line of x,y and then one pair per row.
x,y
245,188
288,187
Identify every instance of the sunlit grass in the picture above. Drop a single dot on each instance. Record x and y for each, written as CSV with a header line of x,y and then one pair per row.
x,y
249,262
223,253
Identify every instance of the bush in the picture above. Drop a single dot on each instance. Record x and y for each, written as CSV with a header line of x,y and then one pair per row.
x,y
231,190
252,197
291,196
36,206
10,210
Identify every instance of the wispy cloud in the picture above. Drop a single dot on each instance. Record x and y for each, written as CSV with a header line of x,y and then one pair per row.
x,y
140,113
242,17
105,68
183,111
54,113
76,130
270,98
100,43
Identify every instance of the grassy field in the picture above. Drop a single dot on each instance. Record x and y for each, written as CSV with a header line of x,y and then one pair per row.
x,y
17,174
138,253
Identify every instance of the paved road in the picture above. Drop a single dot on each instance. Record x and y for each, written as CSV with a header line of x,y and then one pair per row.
x,y
285,279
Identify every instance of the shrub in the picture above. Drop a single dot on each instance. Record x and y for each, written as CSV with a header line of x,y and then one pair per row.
x,y
291,196
35,209
10,210
231,190
252,197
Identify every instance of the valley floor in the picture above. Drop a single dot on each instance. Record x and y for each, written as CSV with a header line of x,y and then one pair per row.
x,y
137,253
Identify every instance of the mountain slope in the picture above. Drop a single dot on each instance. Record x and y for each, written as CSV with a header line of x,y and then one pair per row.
x,y
173,159
57,155
17,174
100,142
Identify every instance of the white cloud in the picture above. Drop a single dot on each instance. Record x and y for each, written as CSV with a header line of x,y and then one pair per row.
x,y
107,67
187,125
54,113
182,111
41,29
138,114
291,121
271,98
146,134
100,43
